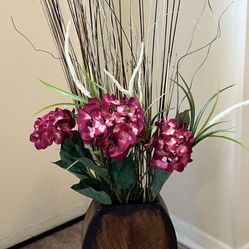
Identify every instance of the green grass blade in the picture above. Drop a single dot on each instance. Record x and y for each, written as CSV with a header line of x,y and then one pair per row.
x,y
190,101
232,140
154,102
158,114
62,92
210,134
91,82
208,128
192,107
201,113
51,106
209,115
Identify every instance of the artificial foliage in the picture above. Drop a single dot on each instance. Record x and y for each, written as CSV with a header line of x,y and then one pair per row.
x,y
133,120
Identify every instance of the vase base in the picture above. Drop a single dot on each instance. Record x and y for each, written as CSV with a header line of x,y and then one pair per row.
x,y
138,226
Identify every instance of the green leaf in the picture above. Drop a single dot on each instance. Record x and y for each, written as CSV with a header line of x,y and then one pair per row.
x,y
123,173
93,189
184,117
103,172
71,150
159,178
62,92
75,168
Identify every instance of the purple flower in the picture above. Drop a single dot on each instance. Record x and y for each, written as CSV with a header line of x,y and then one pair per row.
x,y
53,127
111,124
172,144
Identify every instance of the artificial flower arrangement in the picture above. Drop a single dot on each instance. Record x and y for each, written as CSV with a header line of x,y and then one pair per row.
x,y
113,139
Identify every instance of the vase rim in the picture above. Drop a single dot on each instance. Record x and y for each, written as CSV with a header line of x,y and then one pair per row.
x,y
157,200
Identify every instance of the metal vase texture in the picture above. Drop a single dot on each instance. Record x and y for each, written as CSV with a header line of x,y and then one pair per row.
x,y
131,226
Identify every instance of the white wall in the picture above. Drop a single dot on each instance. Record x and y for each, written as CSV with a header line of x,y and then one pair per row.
x,y
243,205
34,194
207,199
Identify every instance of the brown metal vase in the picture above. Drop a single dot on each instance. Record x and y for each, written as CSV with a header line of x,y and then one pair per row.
x,y
132,226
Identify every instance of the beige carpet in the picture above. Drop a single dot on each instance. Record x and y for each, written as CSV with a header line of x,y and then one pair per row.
x,y
69,238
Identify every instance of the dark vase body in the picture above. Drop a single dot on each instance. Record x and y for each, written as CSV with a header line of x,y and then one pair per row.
x,y
132,226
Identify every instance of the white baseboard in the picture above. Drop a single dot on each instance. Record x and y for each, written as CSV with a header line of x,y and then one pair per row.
x,y
40,228
187,234
194,238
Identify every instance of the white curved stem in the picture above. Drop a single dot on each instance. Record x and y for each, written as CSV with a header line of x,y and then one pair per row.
x,y
228,111
72,71
139,64
120,88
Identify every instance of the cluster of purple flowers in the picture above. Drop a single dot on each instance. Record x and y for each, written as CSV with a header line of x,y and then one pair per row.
x,y
115,126
172,145
53,127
